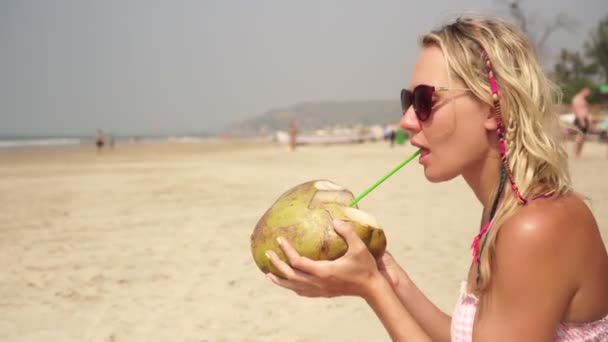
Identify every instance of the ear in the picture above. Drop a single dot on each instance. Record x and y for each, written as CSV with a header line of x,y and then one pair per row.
x,y
490,121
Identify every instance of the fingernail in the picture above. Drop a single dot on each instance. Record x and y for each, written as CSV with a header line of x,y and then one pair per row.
x,y
268,277
267,255
279,241
337,222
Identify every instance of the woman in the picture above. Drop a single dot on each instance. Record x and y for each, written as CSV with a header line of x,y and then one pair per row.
x,y
480,106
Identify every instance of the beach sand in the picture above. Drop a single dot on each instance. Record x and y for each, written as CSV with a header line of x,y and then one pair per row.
x,y
150,241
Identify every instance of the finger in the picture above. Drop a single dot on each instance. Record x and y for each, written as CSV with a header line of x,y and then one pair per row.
x,y
348,233
299,262
282,266
386,256
299,288
287,270
285,283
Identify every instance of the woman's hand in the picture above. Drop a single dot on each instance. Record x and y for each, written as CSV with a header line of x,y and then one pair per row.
x,y
389,269
351,274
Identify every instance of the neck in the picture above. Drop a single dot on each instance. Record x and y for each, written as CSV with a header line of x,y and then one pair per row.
x,y
483,178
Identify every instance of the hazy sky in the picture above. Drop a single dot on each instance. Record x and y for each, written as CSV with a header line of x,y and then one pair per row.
x,y
70,67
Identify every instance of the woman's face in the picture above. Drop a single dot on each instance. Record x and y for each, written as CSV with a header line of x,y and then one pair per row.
x,y
456,135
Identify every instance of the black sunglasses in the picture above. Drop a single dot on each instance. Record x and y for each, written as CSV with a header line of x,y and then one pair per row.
x,y
422,100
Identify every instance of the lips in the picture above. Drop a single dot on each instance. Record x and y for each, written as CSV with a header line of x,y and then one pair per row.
x,y
420,146
424,156
424,152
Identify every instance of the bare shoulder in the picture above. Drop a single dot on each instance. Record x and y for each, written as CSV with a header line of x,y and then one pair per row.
x,y
555,231
552,236
540,270
555,244
564,221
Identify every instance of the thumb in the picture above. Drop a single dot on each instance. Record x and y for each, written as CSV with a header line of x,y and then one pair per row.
x,y
348,233
387,257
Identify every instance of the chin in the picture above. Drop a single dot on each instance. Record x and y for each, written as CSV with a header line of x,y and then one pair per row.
x,y
436,175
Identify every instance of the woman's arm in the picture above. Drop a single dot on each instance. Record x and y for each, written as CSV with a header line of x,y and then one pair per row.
x,y
434,321
396,319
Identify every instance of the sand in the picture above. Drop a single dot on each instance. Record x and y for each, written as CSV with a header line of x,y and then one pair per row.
x,y
150,241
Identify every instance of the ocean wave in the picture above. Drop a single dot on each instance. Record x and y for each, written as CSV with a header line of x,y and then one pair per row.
x,y
39,142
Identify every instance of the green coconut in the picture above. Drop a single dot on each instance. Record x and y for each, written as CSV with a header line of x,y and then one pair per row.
x,y
303,216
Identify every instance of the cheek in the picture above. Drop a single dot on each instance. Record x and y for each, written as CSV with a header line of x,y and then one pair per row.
x,y
452,153
445,164
441,125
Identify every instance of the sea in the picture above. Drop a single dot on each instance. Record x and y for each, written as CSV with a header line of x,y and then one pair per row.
x,y
21,141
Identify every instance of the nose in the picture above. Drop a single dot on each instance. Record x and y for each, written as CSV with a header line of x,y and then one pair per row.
x,y
409,122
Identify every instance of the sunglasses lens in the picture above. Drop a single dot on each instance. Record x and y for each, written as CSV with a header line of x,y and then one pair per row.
x,y
406,102
423,102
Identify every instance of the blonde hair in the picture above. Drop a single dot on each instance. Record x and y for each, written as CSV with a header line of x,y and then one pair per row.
x,y
528,102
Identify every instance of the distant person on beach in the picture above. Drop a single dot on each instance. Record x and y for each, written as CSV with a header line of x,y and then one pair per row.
x,y
293,132
480,106
389,134
386,132
392,136
581,119
99,140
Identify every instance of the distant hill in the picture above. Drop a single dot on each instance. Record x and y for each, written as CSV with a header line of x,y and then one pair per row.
x,y
316,115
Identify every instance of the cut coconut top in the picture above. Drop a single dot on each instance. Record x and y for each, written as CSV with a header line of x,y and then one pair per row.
x,y
329,192
328,186
362,217
322,197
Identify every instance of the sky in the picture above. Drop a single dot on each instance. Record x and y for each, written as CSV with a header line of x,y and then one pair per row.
x,y
184,67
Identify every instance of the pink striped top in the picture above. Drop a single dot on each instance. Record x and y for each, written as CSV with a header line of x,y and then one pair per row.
x,y
464,314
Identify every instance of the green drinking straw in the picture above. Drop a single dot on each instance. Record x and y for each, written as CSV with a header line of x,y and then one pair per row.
x,y
356,200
